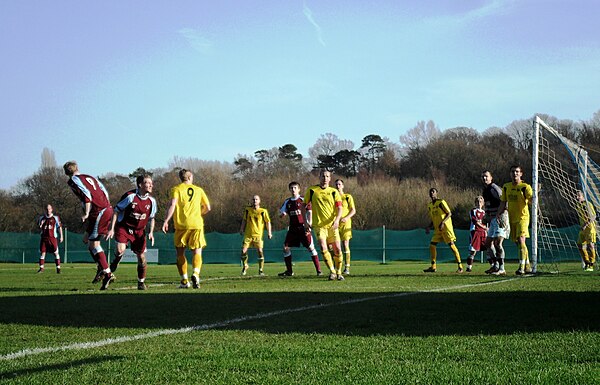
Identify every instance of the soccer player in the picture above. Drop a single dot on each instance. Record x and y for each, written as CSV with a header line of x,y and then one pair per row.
x,y
252,228
50,229
135,210
345,229
326,204
296,235
189,204
586,242
478,231
516,198
440,214
97,214
496,234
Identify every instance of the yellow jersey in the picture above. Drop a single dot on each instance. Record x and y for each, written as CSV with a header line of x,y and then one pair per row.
x,y
324,203
517,196
586,213
347,206
188,209
255,221
438,210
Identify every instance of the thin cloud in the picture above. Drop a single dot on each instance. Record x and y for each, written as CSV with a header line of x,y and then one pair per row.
x,y
196,40
491,8
487,9
308,13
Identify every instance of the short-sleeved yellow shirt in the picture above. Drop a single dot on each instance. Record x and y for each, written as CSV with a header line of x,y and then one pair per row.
x,y
517,197
255,222
188,210
324,203
585,212
437,212
347,206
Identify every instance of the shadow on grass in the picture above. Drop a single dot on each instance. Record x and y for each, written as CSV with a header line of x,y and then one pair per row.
x,y
13,374
400,313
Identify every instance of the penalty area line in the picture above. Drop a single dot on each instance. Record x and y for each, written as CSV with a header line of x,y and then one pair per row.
x,y
221,324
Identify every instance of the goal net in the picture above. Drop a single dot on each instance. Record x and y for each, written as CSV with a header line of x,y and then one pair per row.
x,y
561,168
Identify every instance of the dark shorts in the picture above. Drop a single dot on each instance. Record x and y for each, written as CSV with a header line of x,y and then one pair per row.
x,y
297,236
137,238
98,224
48,245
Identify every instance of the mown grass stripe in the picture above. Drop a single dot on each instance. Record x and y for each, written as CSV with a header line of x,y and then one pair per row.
x,y
111,341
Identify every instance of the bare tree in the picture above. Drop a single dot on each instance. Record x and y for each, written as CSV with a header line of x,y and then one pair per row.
x,y
465,135
521,133
48,185
328,144
195,164
420,135
589,135
48,159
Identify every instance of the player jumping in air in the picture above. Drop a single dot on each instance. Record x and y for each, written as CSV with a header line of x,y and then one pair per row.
x,y
97,214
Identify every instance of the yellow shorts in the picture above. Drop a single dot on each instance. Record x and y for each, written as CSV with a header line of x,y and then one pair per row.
x,y
345,232
256,242
445,236
327,233
518,230
192,239
587,236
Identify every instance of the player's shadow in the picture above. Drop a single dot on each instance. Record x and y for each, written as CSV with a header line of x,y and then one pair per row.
x,y
399,313
14,374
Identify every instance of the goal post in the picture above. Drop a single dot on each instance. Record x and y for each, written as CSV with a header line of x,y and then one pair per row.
x,y
535,188
561,167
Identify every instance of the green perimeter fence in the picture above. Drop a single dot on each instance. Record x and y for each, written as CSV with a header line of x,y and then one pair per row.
x,y
380,244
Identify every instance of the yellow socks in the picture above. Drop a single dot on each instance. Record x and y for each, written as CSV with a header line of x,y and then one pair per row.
x,y
338,260
328,261
182,265
197,263
523,255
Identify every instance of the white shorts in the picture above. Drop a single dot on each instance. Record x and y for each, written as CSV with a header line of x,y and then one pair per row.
x,y
494,231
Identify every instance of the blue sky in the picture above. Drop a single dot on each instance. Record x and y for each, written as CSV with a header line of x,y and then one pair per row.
x,y
120,84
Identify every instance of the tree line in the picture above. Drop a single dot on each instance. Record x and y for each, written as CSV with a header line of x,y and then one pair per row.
x,y
388,180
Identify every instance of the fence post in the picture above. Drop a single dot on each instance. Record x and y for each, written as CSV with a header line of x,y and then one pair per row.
x,y
383,245
66,243
23,257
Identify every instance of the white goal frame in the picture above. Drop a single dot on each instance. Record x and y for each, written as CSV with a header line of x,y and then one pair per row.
x,y
587,182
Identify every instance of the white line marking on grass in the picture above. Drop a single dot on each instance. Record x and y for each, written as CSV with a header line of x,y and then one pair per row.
x,y
215,325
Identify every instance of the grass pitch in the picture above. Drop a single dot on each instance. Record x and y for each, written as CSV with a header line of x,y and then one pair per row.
x,y
386,324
